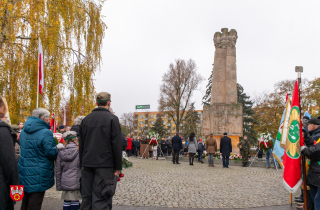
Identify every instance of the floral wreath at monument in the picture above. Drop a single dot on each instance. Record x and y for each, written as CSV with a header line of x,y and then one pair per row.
x,y
266,142
153,138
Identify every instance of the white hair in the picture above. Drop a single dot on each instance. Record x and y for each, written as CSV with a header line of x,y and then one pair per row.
x,y
40,113
78,120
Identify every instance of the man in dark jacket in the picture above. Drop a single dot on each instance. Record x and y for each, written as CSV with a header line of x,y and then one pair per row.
x,y
9,174
169,146
100,151
176,146
313,153
225,149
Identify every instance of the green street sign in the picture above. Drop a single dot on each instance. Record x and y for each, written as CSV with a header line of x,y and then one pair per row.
x,y
142,106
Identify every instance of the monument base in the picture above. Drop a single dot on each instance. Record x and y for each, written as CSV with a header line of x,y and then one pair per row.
x,y
234,142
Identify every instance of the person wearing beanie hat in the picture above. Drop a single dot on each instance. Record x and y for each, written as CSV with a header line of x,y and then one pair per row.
x,y
61,129
312,152
225,149
9,174
100,152
68,171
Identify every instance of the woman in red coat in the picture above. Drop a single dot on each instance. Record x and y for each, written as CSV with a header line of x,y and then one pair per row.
x,y
129,147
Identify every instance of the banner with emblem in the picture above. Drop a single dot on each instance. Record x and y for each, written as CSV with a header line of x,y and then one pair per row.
x,y
279,145
16,192
292,156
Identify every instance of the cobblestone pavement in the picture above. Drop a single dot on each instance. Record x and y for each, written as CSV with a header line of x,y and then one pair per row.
x,y
160,183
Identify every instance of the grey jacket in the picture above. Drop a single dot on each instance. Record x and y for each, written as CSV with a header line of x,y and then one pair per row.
x,y
193,146
68,171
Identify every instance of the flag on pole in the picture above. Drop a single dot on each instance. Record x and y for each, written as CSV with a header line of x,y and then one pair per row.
x,y
40,69
292,156
279,146
53,123
64,119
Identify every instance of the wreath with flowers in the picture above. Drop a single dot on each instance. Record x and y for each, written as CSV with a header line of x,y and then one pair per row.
x,y
266,142
153,138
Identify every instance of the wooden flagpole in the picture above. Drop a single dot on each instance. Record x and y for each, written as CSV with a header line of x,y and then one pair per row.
x,y
299,70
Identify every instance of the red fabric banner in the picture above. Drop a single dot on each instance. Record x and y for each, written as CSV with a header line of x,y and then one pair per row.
x,y
292,157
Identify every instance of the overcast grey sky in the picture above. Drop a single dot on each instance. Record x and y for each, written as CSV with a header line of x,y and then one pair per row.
x,y
145,36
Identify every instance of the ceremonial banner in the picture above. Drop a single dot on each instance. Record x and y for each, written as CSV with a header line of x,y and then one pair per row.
x,y
279,146
53,123
40,64
292,158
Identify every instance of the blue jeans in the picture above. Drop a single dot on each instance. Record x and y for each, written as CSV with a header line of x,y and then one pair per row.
x,y
268,156
225,161
315,196
200,155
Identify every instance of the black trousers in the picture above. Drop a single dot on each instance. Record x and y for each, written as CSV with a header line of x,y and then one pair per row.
x,y
32,201
97,187
175,156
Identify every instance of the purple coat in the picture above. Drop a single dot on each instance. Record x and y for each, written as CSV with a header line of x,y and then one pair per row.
x,y
68,171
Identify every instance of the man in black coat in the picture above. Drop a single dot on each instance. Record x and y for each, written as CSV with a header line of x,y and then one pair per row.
x,y
312,151
9,174
225,149
100,152
176,146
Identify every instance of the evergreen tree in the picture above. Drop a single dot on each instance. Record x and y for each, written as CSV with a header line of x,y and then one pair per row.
x,y
159,127
191,122
207,97
248,114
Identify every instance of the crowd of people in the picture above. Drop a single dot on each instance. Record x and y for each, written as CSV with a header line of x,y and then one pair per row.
x,y
90,157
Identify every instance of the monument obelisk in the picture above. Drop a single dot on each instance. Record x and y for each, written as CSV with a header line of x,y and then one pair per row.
x,y
224,114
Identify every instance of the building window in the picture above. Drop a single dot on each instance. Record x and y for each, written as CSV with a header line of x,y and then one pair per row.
x,y
152,122
164,122
164,115
135,131
180,131
169,118
141,116
174,128
146,118
169,124
152,116
141,122
141,129
168,131
181,124
135,125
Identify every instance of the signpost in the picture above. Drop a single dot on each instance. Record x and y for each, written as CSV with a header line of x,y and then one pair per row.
x,y
142,106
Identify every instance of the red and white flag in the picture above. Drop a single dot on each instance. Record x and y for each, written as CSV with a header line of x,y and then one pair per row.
x,y
53,123
40,65
292,156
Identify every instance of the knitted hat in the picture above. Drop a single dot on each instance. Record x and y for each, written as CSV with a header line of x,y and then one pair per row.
x,y
314,121
61,127
69,135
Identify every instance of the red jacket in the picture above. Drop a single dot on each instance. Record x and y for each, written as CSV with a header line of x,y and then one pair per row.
x,y
129,143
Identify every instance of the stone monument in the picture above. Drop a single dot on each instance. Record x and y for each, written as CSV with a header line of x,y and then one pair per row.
x,y
224,114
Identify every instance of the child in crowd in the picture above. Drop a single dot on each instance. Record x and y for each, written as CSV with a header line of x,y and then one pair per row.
x,y
68,171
